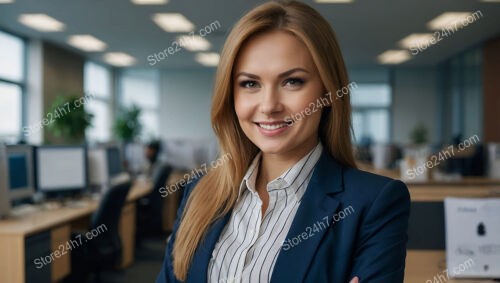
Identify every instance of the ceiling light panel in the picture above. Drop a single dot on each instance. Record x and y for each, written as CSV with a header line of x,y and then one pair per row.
x,y
194,43
87,43
41,22
448,19
173,22
415,39
119,59
209,59
149,2
394,57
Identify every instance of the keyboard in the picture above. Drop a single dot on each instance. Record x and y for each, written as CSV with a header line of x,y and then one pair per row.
x,y
77,203
24,209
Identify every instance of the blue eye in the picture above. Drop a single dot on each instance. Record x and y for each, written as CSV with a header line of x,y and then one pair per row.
x,y
248,84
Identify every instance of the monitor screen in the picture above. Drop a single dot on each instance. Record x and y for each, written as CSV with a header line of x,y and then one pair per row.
x,y
20,171
61,168
114,161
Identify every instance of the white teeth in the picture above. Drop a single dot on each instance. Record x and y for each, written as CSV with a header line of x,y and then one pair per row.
x,y
273,126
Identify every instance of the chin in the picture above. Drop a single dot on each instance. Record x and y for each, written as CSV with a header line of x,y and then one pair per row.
x,y
272,147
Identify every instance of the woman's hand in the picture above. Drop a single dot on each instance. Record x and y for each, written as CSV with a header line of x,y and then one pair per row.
x,y
355,280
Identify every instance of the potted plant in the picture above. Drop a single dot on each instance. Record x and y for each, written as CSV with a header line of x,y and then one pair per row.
x,y
419,135
66,120
127,126
416,155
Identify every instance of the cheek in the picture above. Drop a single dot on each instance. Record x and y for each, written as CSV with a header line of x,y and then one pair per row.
x,y
242,108
308,112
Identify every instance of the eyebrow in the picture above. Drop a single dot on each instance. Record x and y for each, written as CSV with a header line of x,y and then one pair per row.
x,y
284,74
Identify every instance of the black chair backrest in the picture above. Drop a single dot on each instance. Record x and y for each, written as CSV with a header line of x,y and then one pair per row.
x,y
111,204
160,176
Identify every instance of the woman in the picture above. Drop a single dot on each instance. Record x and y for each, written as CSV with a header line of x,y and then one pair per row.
x,y
291,205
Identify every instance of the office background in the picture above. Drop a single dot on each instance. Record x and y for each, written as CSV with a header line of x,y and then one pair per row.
x,y
411,98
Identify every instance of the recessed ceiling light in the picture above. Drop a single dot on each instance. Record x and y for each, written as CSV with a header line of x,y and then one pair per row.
x,y
333,1
394,57
6,1
41,22
447,20
149,2
210,59
492,1
119,59
415,39
86,43
173,22
194,43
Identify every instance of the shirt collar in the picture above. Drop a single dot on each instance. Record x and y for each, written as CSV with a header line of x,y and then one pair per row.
x,y
291,178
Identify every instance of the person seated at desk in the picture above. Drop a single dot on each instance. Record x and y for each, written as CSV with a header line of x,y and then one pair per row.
x,y
152,152
290,206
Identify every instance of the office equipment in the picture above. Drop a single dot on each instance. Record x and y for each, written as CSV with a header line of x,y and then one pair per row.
x,y
20,164
473,236
150,208
105,162
24,209
4,179
105,250
134,156
46,230
494,160
61,169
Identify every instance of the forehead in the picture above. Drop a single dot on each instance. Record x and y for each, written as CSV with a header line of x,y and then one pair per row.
x,y
273,52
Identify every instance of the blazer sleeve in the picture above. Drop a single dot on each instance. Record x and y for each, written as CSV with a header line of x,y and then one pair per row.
x,y
167,270
381,247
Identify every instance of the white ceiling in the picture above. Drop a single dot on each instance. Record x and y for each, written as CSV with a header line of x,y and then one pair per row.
x,y
365,28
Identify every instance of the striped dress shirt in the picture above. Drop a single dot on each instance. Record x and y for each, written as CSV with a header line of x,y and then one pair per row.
x,y
249,245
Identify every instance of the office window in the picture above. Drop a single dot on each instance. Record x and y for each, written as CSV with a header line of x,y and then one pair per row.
x,y
97,82
142,88
12,60
10,109
371,112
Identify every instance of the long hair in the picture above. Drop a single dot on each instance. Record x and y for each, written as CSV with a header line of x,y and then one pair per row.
x,y
216,193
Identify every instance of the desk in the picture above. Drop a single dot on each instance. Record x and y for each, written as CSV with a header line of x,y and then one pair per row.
x,y
423,265
17,234
426,265
171,201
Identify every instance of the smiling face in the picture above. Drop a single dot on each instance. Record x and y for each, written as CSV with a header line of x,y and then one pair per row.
x,y
275,79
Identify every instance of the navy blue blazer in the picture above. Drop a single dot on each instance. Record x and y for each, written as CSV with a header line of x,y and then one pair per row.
x,y
367,240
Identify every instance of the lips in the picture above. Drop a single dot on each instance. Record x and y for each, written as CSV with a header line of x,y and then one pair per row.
x,y
272,126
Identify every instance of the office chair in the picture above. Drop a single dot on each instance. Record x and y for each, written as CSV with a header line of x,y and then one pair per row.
x,y
150,208
104,251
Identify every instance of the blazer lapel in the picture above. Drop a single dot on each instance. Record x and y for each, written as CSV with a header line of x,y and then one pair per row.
x,y
317,203
199,266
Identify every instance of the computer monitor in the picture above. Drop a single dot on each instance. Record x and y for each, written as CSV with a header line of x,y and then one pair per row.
x,y
20,169
105,162
61,169
134,155
114,160
4,180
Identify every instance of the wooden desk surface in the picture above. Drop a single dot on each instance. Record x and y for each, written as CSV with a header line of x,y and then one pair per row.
x,y
465,181
423,265
45,219
439,193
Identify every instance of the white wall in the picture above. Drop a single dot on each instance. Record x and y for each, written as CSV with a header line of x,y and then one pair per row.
x,y
415,100
185,104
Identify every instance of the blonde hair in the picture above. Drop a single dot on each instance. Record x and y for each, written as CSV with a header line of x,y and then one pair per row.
x,y
216,193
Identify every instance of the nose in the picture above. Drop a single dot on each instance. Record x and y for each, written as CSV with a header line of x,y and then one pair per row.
x,y
271,101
